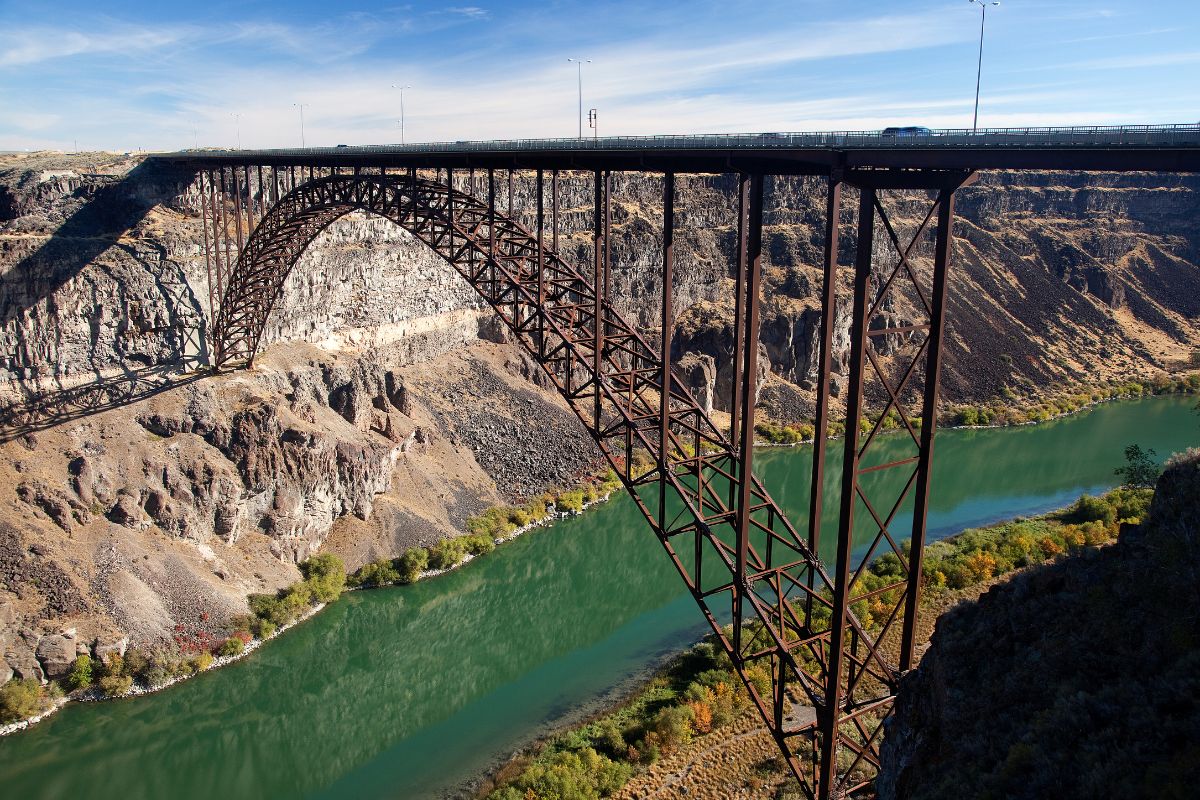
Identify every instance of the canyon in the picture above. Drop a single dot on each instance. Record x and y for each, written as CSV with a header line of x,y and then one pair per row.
x,y
142,495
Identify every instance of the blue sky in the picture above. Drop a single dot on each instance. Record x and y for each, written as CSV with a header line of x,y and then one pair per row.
x,y
127,75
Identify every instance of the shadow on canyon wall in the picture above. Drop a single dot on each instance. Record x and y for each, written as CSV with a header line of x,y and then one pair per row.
x,y
108,214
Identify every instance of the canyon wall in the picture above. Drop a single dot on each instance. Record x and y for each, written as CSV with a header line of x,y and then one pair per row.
x,y
140,494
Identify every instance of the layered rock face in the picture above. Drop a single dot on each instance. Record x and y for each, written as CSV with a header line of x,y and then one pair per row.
x,y
387,406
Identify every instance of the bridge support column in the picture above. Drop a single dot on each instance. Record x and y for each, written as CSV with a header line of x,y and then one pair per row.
x,y
861,676
749,390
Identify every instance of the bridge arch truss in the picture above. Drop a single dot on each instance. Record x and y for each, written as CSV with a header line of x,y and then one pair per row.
x,y
820,669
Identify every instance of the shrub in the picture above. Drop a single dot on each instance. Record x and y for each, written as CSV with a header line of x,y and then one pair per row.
x,y
81,673
479,545
609,740
1090,509
21,699
135,663
154,675
967,416
115,685
326,576
231,647
497,522
447,553
674,726
581,775
201,662
412,563
264,628
570,502
377,573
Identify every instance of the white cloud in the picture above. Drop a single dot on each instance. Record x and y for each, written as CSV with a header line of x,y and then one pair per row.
x,y
21,47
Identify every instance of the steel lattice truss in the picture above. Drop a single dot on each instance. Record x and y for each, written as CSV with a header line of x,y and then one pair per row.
x,y
783,619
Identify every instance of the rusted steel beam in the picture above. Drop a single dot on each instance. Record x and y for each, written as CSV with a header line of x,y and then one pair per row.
x,y
237,209
212,296
833,209
941,267
541,263
748,389
598,246
668,325
834,692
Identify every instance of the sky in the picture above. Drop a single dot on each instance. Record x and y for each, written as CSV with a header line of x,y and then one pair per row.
x,y
130,75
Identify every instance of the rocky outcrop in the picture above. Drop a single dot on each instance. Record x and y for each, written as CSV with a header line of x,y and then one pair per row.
x,y
1075,679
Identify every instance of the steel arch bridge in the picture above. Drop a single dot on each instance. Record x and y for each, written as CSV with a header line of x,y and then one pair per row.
x,y
796,626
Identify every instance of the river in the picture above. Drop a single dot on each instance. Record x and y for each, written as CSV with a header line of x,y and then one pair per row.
x,y
406,692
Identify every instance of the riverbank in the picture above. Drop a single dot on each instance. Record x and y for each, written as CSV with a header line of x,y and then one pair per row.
x,y
130,673
663,740
1007,410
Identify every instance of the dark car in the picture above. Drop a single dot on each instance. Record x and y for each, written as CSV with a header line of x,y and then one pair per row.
x,y
911,130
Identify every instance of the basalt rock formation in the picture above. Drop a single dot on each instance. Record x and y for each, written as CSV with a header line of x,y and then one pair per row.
x,y
138,494
1076,679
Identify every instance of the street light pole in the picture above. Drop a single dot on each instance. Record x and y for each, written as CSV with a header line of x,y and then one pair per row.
x,y
579,62
301,106
401,87
983,4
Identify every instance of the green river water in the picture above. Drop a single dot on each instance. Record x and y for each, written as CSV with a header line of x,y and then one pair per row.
x,y
407,692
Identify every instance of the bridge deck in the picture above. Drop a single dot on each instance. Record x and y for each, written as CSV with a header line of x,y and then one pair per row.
x,y
1166,148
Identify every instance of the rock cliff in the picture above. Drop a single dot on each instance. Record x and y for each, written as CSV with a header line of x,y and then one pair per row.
x,y
1076,679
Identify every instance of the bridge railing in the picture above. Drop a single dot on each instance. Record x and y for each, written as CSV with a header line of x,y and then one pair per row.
x,y
984,138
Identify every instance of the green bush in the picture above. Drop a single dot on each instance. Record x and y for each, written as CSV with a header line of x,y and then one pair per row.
x,y
447,553
478,544
1089,509
81,673
326,576
414,561
264,628
674,726
572,775
135,663
201,662
21,699
232,646
570,502
155,674
377,573
609,740
115,685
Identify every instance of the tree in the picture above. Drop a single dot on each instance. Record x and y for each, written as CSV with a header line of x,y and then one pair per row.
x,y
326,575
81,673
1140,470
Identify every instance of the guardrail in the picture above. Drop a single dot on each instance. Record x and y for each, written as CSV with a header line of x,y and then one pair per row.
x,y
987,138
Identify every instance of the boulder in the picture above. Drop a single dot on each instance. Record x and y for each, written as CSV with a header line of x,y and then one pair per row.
x,y
103,648
56,654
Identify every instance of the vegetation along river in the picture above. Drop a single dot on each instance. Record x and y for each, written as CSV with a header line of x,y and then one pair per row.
x,y
406,692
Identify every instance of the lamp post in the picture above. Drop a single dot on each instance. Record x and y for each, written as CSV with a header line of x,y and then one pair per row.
x,y
301,106
579,62
983,4
237,120
401,87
